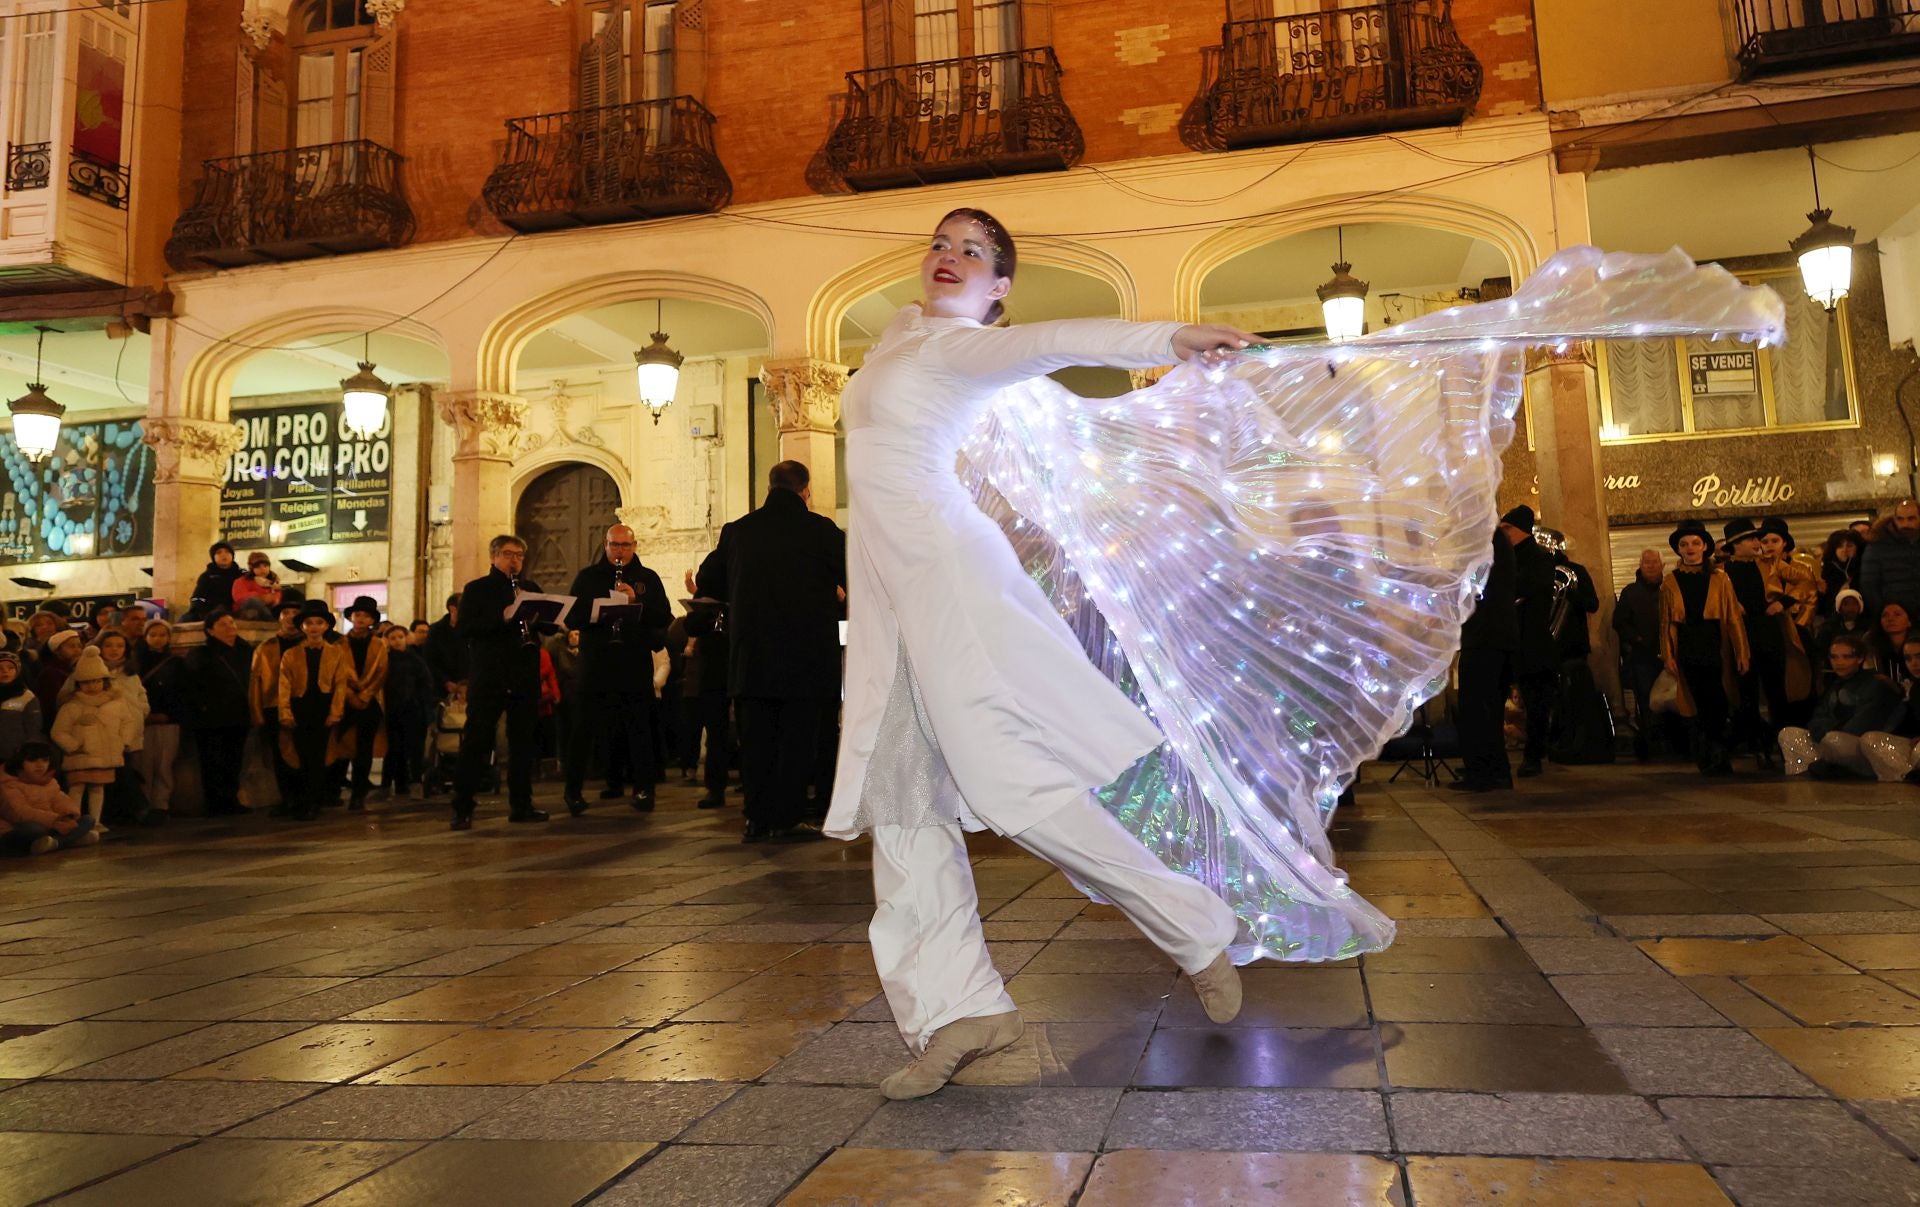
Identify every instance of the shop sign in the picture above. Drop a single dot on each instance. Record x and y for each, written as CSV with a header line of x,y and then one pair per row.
x,y
78,609
1717,373
301,478
1710,491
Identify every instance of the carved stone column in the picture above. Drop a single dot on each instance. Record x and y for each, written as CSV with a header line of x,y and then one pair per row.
x,y
486,428
806,405
190,466
1563,396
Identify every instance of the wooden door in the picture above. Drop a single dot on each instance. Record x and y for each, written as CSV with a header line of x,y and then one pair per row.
x,y
563,516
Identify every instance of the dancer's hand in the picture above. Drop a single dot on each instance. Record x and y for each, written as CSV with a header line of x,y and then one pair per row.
x,y
1203,339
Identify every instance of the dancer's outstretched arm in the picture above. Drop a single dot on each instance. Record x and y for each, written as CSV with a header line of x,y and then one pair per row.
x,y
1000,356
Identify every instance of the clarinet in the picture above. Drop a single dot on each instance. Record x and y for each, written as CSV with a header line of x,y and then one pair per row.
x,y
619,576
526,630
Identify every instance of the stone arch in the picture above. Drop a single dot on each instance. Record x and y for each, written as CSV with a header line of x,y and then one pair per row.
x,y
832,300
527,467
207,385
507,335
1518,244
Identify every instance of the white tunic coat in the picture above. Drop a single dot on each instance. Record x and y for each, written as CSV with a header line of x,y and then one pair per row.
x,y
967,696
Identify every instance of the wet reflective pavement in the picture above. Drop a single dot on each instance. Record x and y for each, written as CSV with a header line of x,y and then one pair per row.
x,y
1621,985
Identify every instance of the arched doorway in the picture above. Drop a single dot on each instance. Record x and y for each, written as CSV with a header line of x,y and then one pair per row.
x,y
564,515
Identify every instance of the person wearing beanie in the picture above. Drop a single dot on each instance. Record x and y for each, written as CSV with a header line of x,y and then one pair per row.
x,y
95,728
360,701
1703,643
214,588
312,676
1849,616
1840,564
1537,659
1779,672
56,664
20,718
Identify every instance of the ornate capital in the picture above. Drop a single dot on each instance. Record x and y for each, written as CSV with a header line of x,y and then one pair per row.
x,y
384,11
191,450
805,392
486,425
257,26
1573,354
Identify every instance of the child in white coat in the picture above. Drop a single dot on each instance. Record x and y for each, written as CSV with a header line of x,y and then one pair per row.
x,y
95,728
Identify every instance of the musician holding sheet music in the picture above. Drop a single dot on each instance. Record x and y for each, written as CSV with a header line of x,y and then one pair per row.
x,y
621,611
501,625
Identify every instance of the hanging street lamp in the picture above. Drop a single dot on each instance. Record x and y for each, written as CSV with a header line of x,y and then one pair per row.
x,y
1825,251
657,368
1343,300
364,397
36,417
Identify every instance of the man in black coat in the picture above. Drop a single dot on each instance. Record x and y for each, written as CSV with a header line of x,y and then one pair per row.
x,y
446,652
1488,641
709,711
781,571
1636,620
503,677
614,676
1537,660
216,697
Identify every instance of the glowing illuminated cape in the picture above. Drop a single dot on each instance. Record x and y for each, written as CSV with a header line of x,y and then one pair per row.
x,y
1275,555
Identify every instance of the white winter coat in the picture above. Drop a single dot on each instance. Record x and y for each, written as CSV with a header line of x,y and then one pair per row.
x,y
95,730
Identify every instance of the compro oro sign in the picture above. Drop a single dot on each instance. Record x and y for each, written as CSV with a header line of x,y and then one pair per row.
x,y
301,478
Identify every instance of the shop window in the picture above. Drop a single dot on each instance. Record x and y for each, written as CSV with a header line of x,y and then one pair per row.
x,y
1679,388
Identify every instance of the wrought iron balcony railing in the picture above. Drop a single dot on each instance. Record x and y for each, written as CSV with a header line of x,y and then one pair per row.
x,y
1393,65
327,200
28,166
613,164
1794,35
951,119
107,183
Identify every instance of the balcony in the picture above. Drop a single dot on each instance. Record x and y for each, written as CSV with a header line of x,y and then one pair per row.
x,y
951,119
613,164
1395,65
328,200
1797,35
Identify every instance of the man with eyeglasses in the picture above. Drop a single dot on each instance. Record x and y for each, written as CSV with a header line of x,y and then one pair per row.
x,y
615,677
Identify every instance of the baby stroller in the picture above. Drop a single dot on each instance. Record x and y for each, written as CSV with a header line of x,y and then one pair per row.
x,y
443,745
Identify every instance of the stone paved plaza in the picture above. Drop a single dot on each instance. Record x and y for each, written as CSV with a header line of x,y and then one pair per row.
x,y
1617,986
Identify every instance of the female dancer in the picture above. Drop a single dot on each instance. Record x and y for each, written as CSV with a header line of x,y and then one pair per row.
x,y
969,704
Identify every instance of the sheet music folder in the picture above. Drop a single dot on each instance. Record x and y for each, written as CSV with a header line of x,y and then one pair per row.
x,y
613,609
528,608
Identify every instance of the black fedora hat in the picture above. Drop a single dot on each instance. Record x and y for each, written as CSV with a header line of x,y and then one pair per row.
x,y
1773,525
1738,529
316,607
364,603
1689,527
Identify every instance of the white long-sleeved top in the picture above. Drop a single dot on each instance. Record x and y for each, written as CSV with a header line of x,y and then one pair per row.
x,y
967,697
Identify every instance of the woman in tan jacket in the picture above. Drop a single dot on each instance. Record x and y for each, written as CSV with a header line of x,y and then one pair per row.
x,y
360,706
1703,643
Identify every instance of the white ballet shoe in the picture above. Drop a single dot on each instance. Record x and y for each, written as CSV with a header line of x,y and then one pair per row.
x,y
951,1049
1218,988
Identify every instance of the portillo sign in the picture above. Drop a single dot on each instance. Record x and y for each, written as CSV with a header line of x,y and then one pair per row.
x,y
1709,491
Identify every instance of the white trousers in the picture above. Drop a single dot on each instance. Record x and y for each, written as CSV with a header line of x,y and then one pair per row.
x,y
1798,751
1892,756
927,941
